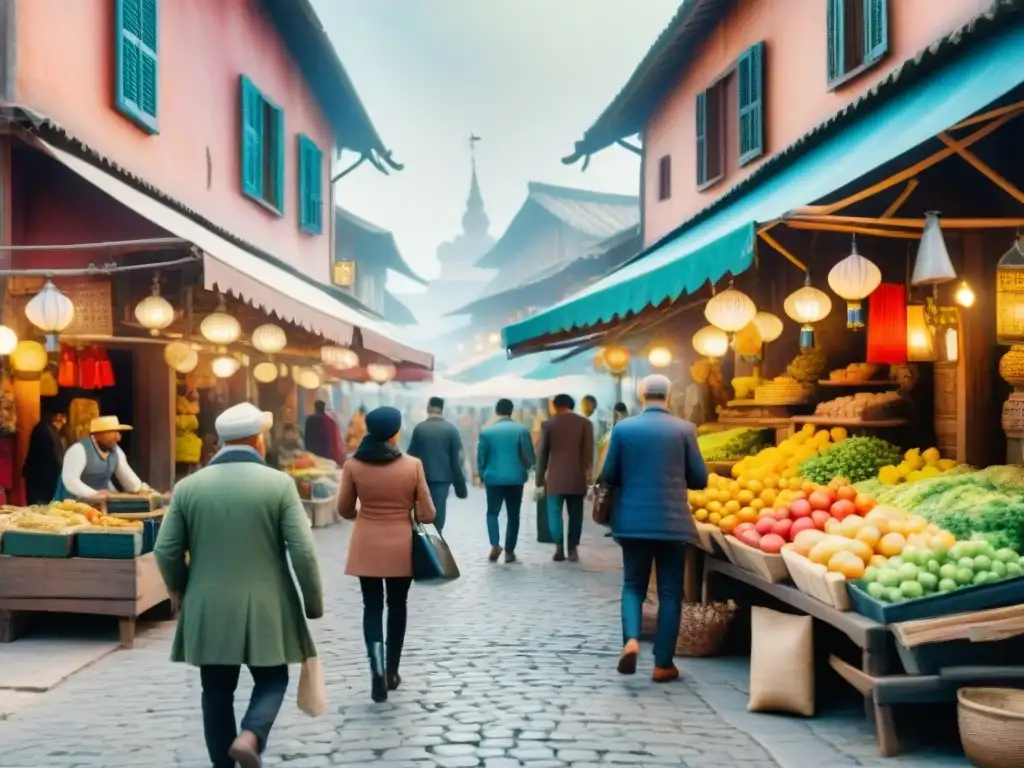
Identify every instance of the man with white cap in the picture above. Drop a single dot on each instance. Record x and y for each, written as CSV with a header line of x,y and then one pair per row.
x,y
91,464
652,460
240,522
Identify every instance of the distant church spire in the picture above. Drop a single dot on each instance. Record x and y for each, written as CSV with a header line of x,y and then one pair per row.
x,y
474,221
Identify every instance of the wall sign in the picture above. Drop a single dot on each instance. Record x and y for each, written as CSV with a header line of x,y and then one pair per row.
x,y
343,274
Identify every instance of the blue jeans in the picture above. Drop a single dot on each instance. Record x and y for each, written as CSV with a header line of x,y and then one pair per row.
x,y
512,497
439,495
574,506
219,684
669,557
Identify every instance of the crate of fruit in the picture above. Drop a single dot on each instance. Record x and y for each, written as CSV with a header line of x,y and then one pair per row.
x,y
57,544
109,545
712,540
816,580
767,564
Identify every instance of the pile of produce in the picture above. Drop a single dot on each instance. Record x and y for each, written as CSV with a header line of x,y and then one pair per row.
x,y
808,366
45,520
71,506
916,465
988,503
855,372
855,459
188,446
863,406
731,444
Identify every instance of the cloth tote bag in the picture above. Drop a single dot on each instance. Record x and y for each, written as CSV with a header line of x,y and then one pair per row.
x,y
432,559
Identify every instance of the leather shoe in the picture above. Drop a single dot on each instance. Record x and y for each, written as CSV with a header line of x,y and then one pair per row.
x,y
245,750
628,657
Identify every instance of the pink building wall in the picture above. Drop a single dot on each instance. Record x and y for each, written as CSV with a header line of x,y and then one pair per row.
x,y
66,70
796,94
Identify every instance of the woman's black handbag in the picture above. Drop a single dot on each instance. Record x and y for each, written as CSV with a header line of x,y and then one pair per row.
x,y
432,560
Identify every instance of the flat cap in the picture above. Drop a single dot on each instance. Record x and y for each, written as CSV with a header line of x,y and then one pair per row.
x,y
241,421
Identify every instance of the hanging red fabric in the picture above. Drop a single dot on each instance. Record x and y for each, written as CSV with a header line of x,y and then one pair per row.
x,y
104,370
87,369
67,369
887,325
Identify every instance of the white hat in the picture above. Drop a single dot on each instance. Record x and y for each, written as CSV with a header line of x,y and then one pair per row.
x,y
241,421
655,386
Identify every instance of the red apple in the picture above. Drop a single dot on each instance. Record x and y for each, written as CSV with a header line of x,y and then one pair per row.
x,y
751,538
820,500
772,543
820,517
739,529
801,524
765,524
842,509
800,508
782,528
781,513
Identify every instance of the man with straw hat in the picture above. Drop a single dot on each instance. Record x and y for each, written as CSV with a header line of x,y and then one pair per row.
x,y
91,464
240,522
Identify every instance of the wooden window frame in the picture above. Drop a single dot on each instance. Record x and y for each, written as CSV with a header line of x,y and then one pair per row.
x,y
311,180
664,178
750,124
136,56
874,39
262,132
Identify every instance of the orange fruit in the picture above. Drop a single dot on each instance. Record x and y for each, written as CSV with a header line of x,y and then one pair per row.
x,y
745,497
732,506
891,544
714,518
728,522
747,515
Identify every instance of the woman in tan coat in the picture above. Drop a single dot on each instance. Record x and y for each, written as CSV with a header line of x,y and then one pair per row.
x,y
390,487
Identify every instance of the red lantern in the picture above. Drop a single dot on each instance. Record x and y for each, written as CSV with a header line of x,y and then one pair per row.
x,y
887,325
67,370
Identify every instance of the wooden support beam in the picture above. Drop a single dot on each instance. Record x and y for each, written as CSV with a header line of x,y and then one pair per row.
x,y
854,230
984,117
899,201
1001,223
782,250
982,167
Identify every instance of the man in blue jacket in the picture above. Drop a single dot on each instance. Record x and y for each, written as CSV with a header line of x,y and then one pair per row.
x,y
652,460
437,443
504,456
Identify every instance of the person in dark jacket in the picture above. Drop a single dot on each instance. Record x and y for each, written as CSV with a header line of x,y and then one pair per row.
x,y
437,444
504,456
653,459
565,461
323,435
44,459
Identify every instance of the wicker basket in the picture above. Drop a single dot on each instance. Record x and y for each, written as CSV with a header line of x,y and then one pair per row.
x,y
703,628
992,726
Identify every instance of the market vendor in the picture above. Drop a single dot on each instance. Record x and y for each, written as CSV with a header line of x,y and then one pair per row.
x,y
91,464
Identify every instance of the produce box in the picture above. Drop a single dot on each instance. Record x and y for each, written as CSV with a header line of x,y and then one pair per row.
x,y
150,529
816,580
38,544
770,567
996,595
712,540
110,545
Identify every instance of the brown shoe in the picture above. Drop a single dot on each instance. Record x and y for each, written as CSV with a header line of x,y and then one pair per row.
x,y
495,554
574,555
665,674
510,557
245,750
559,554
628,657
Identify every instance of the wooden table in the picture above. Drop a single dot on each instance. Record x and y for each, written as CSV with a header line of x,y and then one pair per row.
x,y
122,588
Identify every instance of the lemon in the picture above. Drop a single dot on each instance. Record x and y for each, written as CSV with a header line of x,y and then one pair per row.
x,y
838,434
889,475
947,464
932,454
700,515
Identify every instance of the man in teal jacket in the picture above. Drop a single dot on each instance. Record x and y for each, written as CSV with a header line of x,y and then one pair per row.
x,y
504,456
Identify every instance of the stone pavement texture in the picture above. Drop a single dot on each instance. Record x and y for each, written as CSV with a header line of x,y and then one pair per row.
x,y
513,665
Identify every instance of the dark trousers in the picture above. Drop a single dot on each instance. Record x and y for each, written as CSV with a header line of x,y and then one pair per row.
x,y
219,684
512,497
574,506
373,615
668,557
439,495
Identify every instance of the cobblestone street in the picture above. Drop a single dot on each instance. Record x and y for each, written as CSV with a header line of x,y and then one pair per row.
x,y
511,666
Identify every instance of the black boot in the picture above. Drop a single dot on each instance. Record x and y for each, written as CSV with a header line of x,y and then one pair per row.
x,y
395,643
378,682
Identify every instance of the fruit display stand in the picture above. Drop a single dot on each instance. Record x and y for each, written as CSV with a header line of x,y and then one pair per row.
x,y
322,512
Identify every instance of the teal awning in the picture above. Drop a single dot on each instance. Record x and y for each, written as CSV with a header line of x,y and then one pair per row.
x,y
711,245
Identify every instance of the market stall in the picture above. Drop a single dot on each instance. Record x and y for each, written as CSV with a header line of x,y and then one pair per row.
x,y
318,481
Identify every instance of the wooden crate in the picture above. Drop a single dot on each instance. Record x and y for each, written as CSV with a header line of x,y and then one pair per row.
x,y
815,580
769,567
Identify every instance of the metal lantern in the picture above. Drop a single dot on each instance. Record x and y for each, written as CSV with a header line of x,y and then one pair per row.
x,y
730,310
29,357
51,312
154,312
660,357
768,325
269,339
711,342
964,295
807,306
181,357
854,279
219,327
340,358
933,265
920,337
265,372
616,359
309,379
381,373
225,366
8,341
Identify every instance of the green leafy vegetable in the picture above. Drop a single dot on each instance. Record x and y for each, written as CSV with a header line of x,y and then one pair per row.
x,y
856,459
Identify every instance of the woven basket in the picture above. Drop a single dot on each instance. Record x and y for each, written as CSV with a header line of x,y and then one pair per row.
x,y
702,630
992,726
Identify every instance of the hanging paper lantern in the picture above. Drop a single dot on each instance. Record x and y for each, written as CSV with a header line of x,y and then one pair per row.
x,y
154,312
933,265
225,366
265,372
269,338
854,279
8,341
730,310
219,327
711,342
51,312
340,358
181,357
381,373
309,379
769,326
282,370
920,338
617,359
887,325
29,357
807,306
660,357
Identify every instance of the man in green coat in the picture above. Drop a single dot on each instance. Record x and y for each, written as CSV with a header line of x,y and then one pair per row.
x,y
239,521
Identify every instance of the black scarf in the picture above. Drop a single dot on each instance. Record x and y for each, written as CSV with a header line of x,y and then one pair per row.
x,y
376,452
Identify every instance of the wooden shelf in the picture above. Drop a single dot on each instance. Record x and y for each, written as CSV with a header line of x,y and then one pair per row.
x,y
855,384
778,423
827,421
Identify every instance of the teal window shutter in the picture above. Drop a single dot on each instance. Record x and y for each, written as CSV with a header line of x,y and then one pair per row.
x,y
137,64
876,29
310,186
252,139
702,139
275,161
836,36
750,70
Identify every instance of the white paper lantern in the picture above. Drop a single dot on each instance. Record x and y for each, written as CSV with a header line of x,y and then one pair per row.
x,y
8,341
309,379
220,328
769,326
933,265
660,357
711,342
339,357
51,312
730,310
154,312
854,279
381,373
265,372
181,357
807,306
225,366
269,339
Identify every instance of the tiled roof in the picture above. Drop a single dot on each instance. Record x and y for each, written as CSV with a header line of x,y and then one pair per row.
x,y
381,240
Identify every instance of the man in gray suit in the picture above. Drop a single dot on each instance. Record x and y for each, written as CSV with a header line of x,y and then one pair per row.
x,y
437,444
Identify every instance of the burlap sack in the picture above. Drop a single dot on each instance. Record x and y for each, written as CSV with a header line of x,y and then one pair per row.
x,y
781,663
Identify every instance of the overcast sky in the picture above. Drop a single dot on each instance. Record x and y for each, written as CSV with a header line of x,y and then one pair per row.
x,y
528,76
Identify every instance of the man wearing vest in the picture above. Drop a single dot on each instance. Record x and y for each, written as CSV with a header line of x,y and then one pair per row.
x,y
91,464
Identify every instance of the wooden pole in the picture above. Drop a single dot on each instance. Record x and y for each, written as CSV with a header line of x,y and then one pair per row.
x,y
782,250
983,168
899,201
853,229
1001,223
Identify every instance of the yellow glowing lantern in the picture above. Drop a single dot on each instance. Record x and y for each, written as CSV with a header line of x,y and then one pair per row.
x,y
920,341
219,327
1010,295
225,366
730,310
381,373
181,357
269,338
154,312
769,326
854,279
711,342
8,341
660,357
339,357
964,296
265,372
617,359
29,357
309,379
807,306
